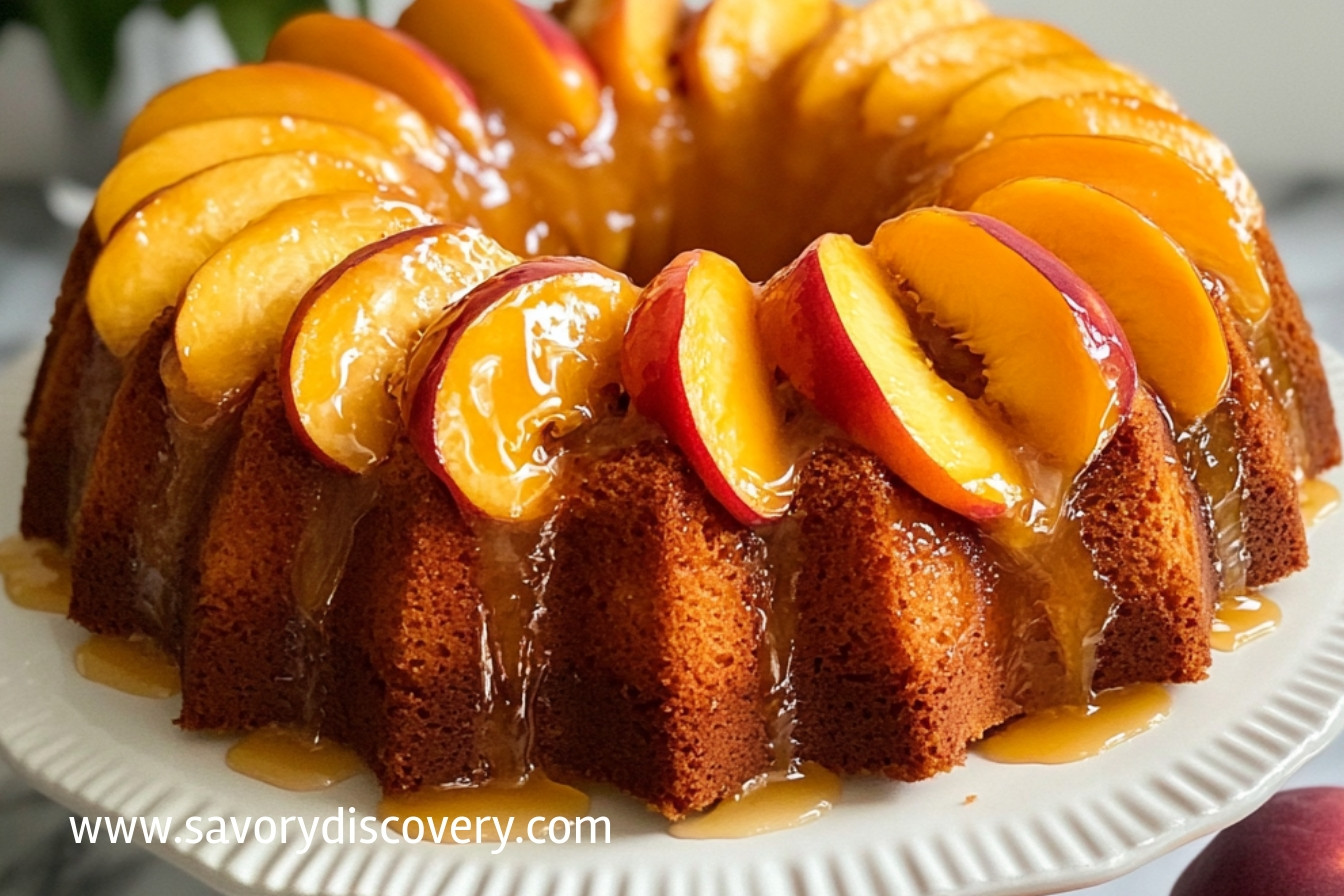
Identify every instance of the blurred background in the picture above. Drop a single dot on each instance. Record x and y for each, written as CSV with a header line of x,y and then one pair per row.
x,y
1265,76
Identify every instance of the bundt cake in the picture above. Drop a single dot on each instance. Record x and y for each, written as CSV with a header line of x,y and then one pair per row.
x,y
965,381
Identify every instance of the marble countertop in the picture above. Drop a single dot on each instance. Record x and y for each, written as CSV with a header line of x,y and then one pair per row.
x,y
37,854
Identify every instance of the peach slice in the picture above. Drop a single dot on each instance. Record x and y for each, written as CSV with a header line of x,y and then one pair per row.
x,y
735,47
927,74
157,247
1142,274
234,310
1112,115
976,110
942,350
184,151
388,59
846,62
1182,200
532,355
286,88
518,56
830,323
353,330
957,268
632,43
693,362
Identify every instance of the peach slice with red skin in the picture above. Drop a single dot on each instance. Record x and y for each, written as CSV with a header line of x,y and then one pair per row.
x,y
286,88
181,152
352,332
830,324
693,362
1145,279
926,75
872,337
234,310
940,258
532,355
631,42
1113,115
385,58
517,56
735,47
156,248
1182,200
973,114
845,62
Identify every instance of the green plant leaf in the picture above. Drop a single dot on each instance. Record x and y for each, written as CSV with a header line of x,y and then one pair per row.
x,y
82,37
250,23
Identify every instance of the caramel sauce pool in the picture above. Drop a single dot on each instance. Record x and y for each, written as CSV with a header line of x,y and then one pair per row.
x,y
1070,733
1243,618
292,759
1318,499
447,809
131,665
774,802
37,575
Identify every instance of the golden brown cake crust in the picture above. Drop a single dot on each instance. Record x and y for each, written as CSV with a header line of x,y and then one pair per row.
x,y
1303,356
1143,523
900,653
74,282
404,678
50,430
244,646
652,635
1273,532
104,557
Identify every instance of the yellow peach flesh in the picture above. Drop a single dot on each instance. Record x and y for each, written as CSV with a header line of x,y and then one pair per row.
x,y
926,76
1113,115
631,42
847,61
354,332
181,152
386,59
1002,308
943,422
158,246
730,387
281,88
236,307
1173,194
1150,285
535,365
738,46
501,50
975,111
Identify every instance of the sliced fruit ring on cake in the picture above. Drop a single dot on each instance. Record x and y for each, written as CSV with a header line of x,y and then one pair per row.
x,y
353,330
1113,115
977,109
389,59
694,362
516,56
843,65
531,356
734,48
1143,275
632,43
181,152
287,88
235,308
1182,200
926,75
947,346
156,248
